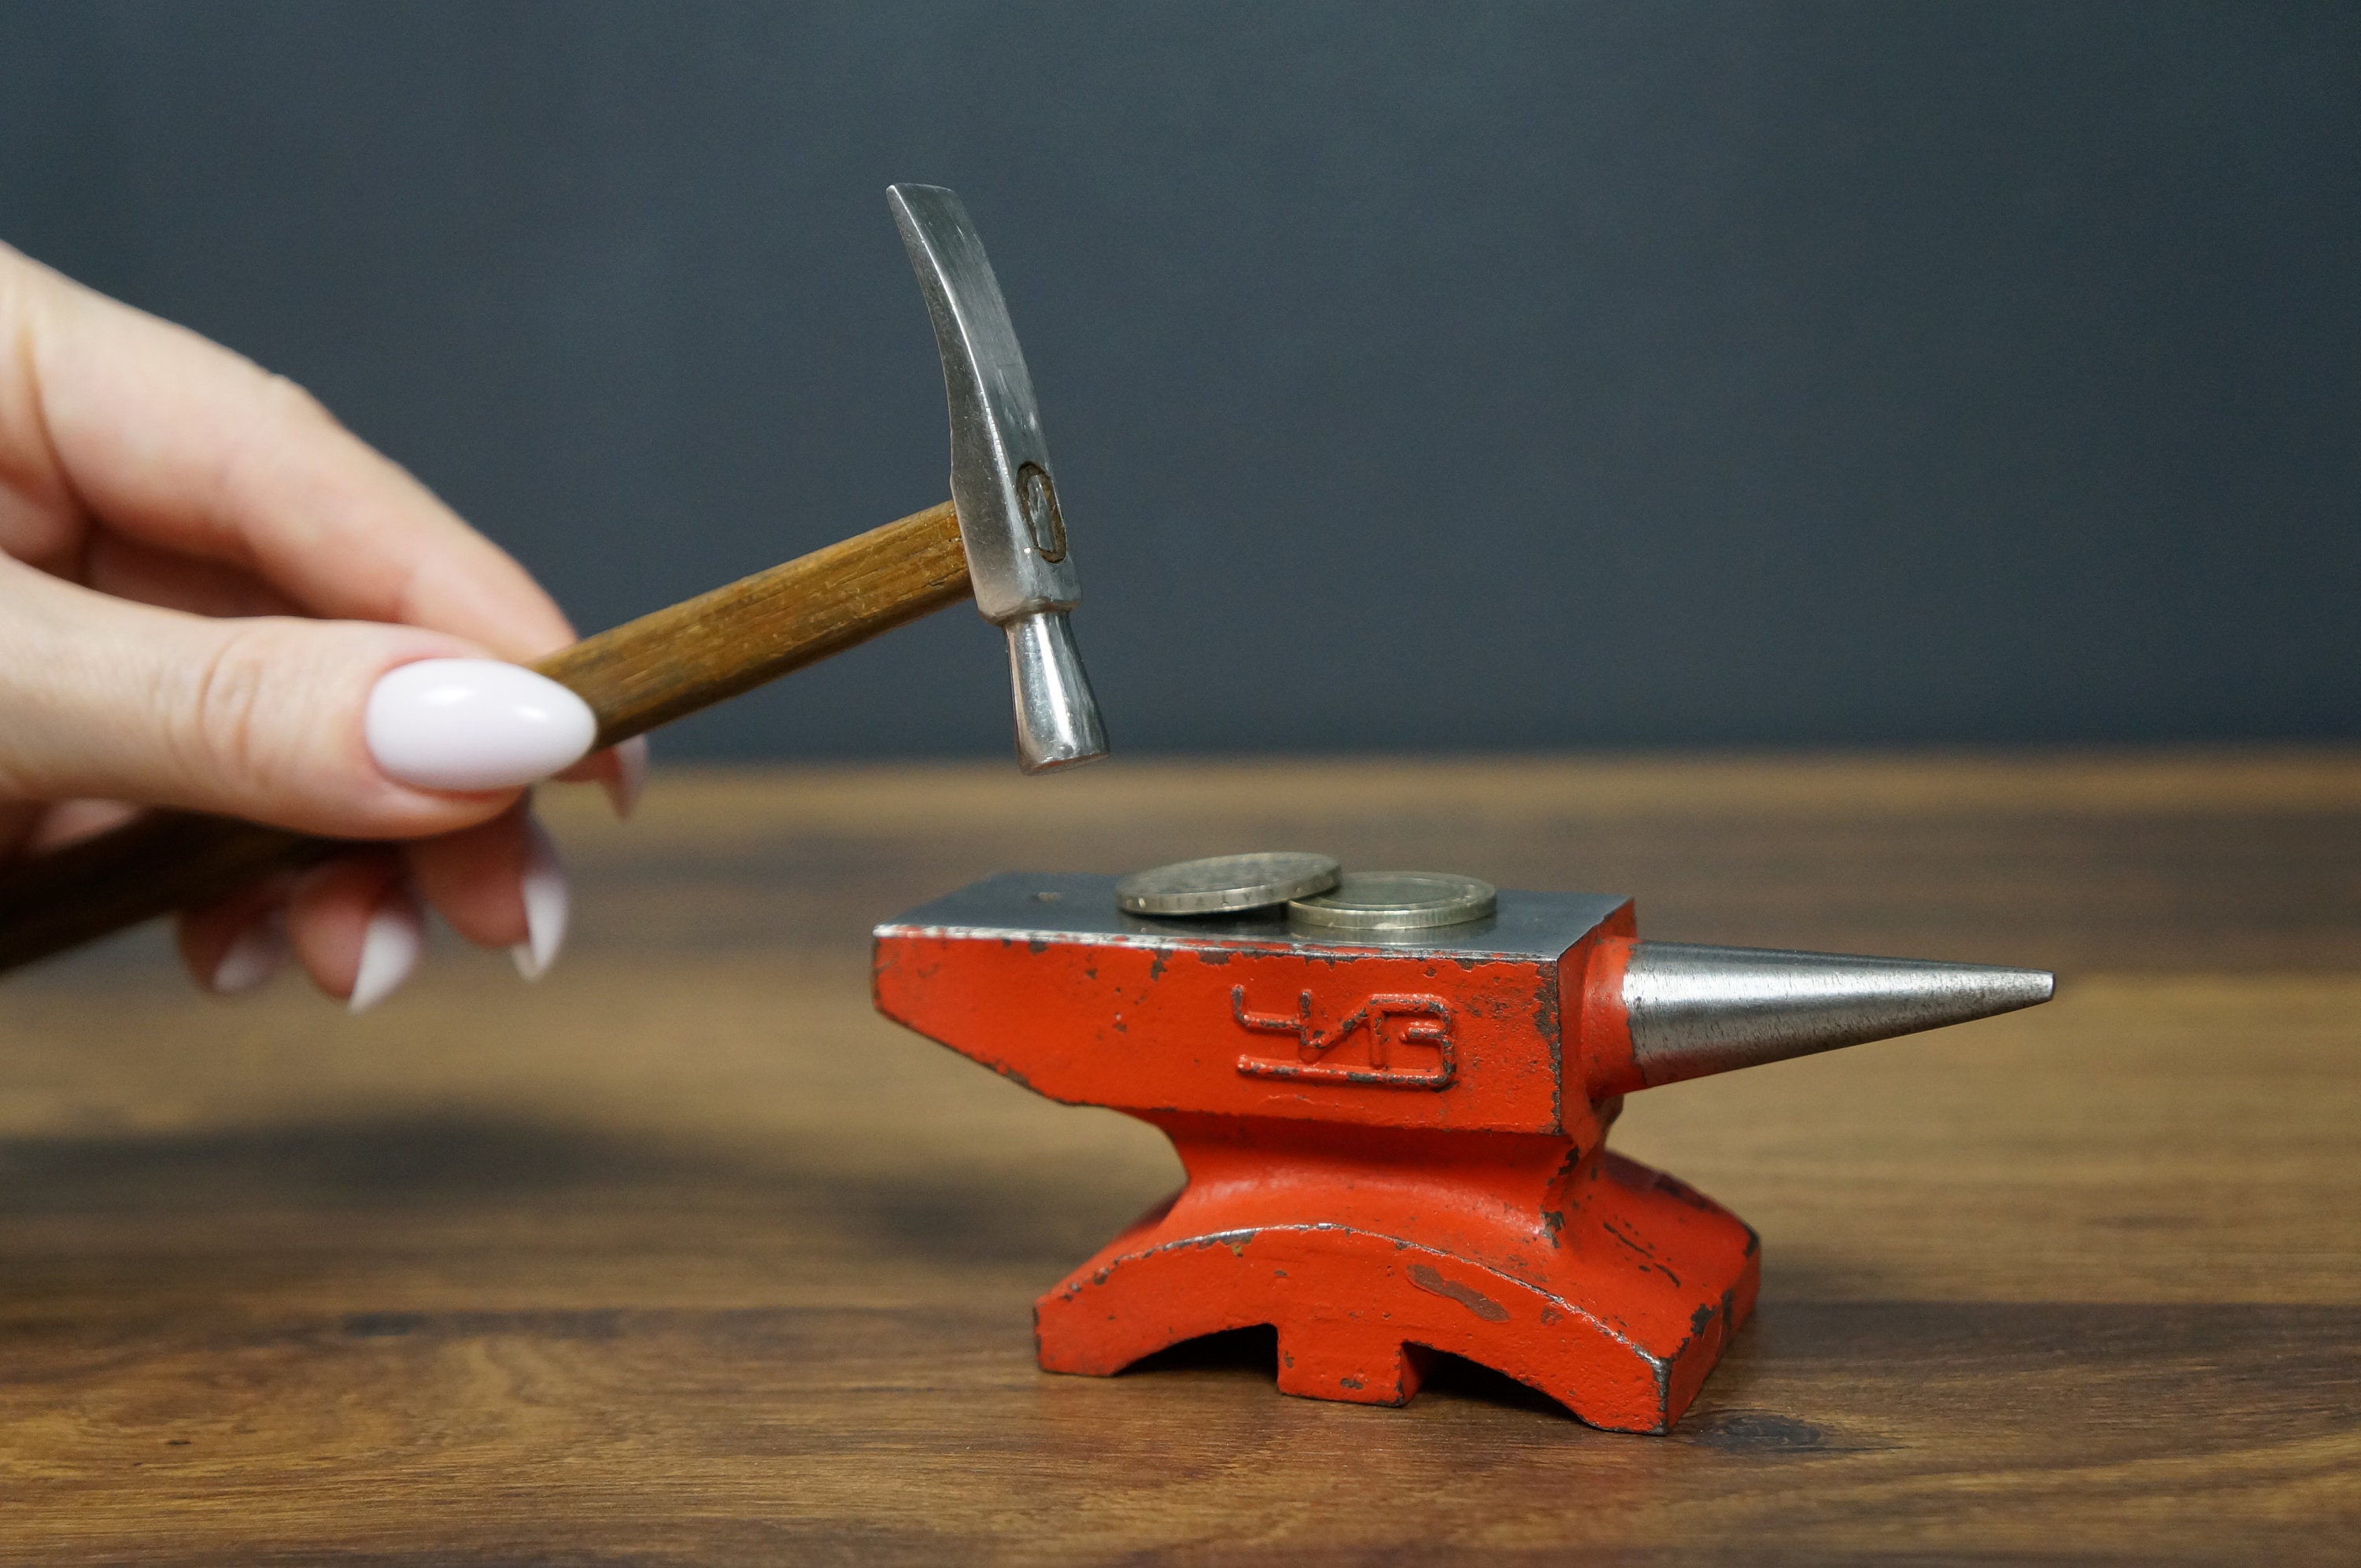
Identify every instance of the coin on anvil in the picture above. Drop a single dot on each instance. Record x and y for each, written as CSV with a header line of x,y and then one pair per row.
x,y
1226,884
1396,901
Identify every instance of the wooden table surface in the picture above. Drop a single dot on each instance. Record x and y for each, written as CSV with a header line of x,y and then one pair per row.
x,y
684,1257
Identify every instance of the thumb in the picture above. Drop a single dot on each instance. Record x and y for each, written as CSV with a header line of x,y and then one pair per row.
x,y
282,721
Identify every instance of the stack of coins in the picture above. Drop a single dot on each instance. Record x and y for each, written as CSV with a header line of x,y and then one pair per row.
x,y
1318,894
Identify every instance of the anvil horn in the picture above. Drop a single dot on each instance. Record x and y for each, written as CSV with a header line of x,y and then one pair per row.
x,y
1695,1011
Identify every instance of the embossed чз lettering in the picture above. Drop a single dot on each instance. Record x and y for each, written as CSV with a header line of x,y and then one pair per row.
x,y
1426,1024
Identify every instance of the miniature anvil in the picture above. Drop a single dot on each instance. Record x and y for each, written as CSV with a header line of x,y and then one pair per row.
x,y
1396,1144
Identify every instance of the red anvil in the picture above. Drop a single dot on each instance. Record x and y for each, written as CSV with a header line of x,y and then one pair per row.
x,y
1393,1146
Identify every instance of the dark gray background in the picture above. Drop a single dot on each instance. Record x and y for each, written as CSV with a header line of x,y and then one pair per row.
x,y
1421,376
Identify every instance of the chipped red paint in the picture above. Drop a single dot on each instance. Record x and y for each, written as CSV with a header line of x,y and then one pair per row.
x,y
1388,1154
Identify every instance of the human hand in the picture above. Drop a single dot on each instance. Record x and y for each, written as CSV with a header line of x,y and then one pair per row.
x,y
207,587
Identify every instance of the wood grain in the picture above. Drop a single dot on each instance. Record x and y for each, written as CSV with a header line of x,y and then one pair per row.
x,y
635,676
667,665
683,1255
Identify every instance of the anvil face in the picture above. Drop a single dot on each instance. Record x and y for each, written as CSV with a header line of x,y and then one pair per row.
x,y
1043,979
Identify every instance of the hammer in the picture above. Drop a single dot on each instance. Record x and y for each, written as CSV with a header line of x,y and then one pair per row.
x,y
1000,538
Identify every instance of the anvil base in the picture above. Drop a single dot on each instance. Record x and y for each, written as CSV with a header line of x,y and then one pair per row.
x,y
1607,1286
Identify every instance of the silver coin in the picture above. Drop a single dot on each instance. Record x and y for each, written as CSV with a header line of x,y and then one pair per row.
x,y
1224,884
1396,901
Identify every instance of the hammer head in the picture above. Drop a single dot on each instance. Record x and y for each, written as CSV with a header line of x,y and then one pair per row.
x,y
1009,521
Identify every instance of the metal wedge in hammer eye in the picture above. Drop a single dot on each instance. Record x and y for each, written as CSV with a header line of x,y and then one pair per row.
x,y
1003,484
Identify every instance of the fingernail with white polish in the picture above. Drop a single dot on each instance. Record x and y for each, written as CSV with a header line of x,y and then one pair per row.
x,y
629,778
254,955
466,724
546,905
389,948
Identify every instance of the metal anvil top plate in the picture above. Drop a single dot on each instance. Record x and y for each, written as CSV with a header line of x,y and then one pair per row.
x,y
1071,905
1045,980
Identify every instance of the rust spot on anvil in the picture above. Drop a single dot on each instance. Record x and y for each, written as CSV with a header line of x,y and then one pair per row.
x,y
1475,1301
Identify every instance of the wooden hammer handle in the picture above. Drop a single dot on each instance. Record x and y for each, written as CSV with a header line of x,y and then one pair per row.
x,y
667,665
639,674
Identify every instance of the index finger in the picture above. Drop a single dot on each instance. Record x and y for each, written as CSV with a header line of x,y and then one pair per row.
x,y
175,441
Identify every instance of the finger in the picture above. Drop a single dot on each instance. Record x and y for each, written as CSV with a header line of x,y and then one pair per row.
x,y
37,827
474,878
356,926
179,443
278,720
500,884
130,569
238,943
70,821
621,770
